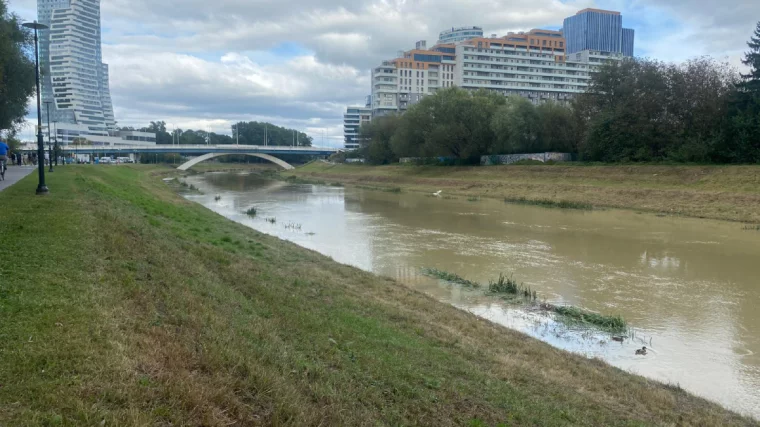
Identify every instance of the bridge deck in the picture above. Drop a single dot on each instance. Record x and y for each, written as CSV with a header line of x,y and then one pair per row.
x,y
198,149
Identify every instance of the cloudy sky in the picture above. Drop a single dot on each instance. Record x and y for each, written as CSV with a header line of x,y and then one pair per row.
x,y
203,64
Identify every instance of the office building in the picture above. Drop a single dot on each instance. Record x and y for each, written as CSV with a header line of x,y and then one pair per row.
x,y
455,35
75,86
598,30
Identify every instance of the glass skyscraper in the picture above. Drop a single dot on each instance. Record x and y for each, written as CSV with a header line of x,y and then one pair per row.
x,y
598,30
74,77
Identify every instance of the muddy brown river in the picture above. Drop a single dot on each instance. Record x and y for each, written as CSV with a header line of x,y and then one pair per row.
x,y
689,288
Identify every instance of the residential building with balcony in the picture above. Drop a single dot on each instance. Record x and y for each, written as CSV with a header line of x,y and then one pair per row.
x,y
353,120
459,34
533,64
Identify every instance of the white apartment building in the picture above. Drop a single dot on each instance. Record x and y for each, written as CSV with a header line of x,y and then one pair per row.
x,y
529,64
460,34
353,119
75,88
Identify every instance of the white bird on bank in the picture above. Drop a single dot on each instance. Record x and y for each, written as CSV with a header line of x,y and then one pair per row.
x,y
438,193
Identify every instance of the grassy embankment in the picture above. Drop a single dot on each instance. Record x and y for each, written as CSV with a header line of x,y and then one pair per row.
x,y
123,304
718,192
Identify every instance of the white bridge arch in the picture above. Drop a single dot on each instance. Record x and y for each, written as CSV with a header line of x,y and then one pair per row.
x,y
282,163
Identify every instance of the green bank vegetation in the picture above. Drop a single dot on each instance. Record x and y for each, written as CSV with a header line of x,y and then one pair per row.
x,y
137,307
635,110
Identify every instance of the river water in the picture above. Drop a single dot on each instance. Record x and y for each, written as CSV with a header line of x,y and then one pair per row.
x,y
690,289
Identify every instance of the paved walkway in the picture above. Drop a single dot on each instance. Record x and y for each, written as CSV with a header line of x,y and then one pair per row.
x,y
14,174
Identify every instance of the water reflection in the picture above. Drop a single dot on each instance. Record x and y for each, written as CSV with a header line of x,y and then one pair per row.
x,y
691,286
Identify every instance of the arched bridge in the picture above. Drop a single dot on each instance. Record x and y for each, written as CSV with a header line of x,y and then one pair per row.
x,y
204,152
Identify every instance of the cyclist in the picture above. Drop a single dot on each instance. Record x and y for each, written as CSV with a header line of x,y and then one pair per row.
x,y
4,149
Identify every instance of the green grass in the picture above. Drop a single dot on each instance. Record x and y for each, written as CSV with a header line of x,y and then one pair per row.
x,y
506,285
574,314
449,277
121,303
548,203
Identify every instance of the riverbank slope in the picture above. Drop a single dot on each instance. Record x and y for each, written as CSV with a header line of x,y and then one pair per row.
x,y
718,192
123,303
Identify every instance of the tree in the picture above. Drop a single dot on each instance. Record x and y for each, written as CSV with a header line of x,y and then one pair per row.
x,y
556,131
259,133
516,126
752,60
17,76
375,139
739,141
452,122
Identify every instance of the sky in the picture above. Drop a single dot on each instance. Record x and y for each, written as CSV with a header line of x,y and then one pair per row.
x,y
199,64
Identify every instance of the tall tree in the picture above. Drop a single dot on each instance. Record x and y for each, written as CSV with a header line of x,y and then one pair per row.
x,y
375,138
17,79
752,60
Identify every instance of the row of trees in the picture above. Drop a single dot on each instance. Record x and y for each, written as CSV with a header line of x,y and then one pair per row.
x,y
634,110
251,133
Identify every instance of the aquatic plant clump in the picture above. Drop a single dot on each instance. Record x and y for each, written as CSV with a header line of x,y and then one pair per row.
x,y
611,323
251,212
506,285
561,204
449,277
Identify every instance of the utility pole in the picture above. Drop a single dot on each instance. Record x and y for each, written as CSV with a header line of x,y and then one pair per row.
x,y
266,134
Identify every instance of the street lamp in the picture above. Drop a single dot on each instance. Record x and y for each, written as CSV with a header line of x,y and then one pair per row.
x,y
41,187
50,140
55,143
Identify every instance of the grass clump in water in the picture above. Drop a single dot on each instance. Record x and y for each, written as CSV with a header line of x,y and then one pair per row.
x,y
610,323
449,277
217,198
506,285
251,212
752,227
272,220
473,199
547,203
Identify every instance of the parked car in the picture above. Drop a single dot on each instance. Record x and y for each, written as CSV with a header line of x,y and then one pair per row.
x,y
105,160
125,160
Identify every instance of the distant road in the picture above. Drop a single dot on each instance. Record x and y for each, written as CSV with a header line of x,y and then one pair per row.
x,y
14,174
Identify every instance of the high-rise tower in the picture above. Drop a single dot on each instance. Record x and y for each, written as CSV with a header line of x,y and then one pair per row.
x,y
74,76
598,30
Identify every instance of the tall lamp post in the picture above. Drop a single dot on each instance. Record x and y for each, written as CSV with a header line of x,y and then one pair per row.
x,y
50,140
41,187
55,143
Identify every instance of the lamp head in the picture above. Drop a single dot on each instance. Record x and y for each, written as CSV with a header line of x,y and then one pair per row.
x,y
35,25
